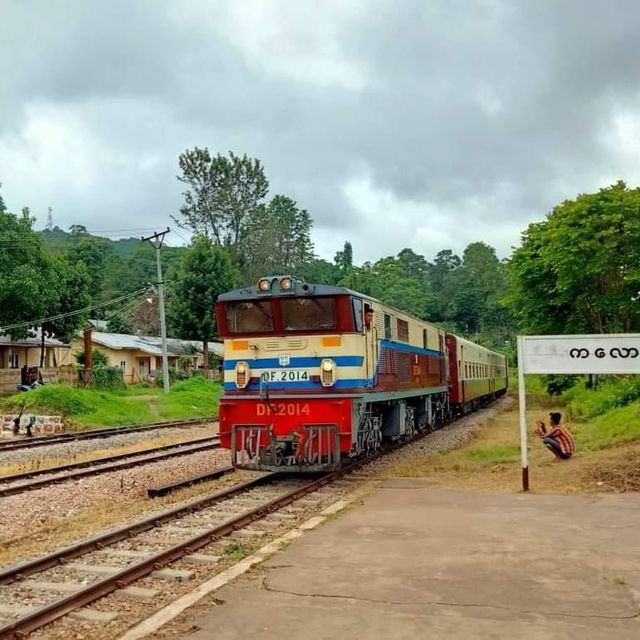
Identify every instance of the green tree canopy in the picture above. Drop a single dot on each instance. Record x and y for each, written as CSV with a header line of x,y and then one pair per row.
x,y
278,239
206,272
579,270
222,193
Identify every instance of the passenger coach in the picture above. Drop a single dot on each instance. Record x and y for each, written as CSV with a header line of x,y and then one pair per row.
x,y
314,373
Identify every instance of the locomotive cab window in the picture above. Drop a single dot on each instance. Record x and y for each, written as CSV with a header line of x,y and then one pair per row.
x,y
308,314
249,317
357,314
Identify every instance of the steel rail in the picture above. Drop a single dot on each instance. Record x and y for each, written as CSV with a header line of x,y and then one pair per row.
x,y
111,463
163,490
31,621
34,620
42,441
29,567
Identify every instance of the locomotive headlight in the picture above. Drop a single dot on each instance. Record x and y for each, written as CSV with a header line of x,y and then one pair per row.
x,y
242,375
264,284
286,283
327,372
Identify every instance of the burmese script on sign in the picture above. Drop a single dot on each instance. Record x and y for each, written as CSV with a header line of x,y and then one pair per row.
x,y
577,354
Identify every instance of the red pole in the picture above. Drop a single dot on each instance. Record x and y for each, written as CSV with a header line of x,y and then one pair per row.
x,y
88,355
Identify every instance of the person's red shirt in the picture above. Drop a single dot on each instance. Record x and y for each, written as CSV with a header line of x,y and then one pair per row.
x,y
562,437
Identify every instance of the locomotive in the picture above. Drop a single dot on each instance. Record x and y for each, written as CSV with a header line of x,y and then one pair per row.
x,y
315,374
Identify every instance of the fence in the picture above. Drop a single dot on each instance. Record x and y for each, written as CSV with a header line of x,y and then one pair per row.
x,y
9,380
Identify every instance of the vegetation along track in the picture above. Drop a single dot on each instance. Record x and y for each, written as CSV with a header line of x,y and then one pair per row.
x,y
41,441
20,482
121,556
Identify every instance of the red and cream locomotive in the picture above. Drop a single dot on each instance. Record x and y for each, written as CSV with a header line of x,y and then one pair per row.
x,y
314,374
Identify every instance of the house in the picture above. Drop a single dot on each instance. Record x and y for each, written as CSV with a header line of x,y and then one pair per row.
x,y
15,354
140,357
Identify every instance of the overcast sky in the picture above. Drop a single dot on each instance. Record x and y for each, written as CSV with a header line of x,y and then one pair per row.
x,y
425,123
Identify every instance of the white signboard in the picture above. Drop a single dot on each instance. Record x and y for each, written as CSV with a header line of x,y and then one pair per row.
x,y
599,353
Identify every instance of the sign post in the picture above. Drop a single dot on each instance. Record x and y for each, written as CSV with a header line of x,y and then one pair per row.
x,y
522,396
613,353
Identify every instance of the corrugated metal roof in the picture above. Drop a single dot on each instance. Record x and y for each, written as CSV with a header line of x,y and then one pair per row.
x,y
153,345
32,340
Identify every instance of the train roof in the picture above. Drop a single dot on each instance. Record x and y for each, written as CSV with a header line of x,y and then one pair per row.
x,y
299,288
469,343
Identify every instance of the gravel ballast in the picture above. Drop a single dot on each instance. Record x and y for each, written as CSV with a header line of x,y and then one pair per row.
x,y
67,499
76,447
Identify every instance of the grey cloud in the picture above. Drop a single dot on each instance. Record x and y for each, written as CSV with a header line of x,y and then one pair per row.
x,y
488,113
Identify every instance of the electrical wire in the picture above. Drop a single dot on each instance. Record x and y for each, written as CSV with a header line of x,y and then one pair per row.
x,y
41,321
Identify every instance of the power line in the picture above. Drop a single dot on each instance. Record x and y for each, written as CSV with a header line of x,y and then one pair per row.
x,y
41,321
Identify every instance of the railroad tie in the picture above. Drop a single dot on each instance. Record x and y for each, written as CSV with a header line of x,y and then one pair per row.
x,y
84,614
138,593
248,533
93,615
201,558
96,569
60,587
173,574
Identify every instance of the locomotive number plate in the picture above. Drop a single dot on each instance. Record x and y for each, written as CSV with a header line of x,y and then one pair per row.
x,y
286,375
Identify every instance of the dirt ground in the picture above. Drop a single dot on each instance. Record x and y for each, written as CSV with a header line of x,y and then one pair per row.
x,y
490,461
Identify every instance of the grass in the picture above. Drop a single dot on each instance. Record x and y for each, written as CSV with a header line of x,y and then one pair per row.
x,y
235,551
92,408
607,457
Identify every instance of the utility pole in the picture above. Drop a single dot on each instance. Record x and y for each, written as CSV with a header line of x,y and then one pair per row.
x,y
156,241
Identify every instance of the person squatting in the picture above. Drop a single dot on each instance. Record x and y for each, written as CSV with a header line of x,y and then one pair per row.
x,y
559,441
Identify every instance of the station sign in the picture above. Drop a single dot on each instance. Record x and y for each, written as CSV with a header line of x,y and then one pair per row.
x,y
580,354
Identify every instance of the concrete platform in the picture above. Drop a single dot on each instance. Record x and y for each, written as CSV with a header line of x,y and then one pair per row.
x,y
413,562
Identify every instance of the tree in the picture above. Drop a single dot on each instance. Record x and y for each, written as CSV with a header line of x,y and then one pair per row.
x,y
278,239
344,259
477,284
579,270
222,193
320,271
36,284
206,272
145,317
93,253
118,323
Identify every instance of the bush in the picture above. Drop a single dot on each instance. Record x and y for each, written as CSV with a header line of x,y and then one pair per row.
x,y
108,378
611,392
52,398
99,358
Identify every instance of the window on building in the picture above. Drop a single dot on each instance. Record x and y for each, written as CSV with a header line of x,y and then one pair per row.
x,y
123,366
14,361
425,339
387,326
403,330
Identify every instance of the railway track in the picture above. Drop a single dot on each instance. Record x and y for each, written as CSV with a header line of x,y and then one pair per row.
x,y
41,441
30,480
166,489
117,558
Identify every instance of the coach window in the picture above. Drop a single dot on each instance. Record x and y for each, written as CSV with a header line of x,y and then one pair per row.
x,y
249,317
387,326
403,330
